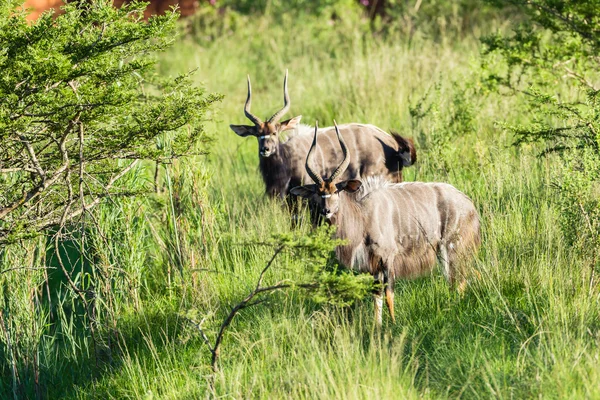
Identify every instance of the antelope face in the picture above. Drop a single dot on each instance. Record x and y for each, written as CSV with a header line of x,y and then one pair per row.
x,y
267,132
326,197
268,141
325,193
327,200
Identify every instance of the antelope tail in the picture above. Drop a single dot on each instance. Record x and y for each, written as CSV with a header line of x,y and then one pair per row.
x,y
406,149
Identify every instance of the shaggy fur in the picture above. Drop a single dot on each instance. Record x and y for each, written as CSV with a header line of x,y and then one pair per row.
x,y
374,152
394,230
299,130
397,231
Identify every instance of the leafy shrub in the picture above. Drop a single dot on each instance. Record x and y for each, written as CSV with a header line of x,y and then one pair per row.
x,y
80,107
81,110
438,18
550,60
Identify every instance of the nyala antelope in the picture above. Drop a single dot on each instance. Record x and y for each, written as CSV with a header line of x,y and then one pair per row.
x,y
374,152
394,230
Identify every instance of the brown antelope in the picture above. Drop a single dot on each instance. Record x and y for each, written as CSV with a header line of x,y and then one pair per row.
x,y
374,152
395,230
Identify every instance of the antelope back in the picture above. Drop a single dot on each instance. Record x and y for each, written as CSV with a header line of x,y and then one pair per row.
x,y
413,220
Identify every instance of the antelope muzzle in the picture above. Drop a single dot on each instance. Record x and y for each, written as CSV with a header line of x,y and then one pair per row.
x,y
266,146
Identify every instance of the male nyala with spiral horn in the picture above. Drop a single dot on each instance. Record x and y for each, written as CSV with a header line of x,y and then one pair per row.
x,y
374,152
395,230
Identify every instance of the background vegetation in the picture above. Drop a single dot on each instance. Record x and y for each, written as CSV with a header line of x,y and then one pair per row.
x,y
170,265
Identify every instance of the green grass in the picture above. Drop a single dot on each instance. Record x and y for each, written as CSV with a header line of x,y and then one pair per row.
x,y
528,327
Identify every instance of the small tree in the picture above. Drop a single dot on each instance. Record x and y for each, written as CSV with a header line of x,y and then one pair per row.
x,y
80,107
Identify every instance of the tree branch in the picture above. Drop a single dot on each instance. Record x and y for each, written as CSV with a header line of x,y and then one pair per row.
x,y
33,157
569,22
97,200
46,183
240,306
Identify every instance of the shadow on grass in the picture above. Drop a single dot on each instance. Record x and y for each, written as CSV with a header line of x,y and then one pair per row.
x,y
68,355
460,345
135,336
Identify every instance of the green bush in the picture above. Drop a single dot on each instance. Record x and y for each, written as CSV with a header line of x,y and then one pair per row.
x,y
81,106
81,109
555,47
435,17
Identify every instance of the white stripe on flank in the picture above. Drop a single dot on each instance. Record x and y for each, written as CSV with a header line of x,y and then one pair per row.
x,y
378,309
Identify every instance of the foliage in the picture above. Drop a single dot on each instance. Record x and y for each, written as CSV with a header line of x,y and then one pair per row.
x,y
580,200
80,106
326,280
315,249
435,18
439,123
560,41
276,7
390,17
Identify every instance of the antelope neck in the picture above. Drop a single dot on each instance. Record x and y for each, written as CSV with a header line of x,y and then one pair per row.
x,y
275,172
350,225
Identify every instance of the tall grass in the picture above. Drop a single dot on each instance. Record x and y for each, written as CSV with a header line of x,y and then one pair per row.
x,y
527,327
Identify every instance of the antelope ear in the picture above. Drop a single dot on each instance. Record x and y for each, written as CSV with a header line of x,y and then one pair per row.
x,y
407,152
304,191
243,130
290,123
350,186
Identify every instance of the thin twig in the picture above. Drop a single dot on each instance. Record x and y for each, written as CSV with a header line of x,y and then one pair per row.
x,y
582,79
560,16
97,200
240,306
17,169
198,326
46,183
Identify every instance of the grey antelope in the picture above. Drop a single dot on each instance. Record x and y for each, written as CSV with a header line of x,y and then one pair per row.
x,y
374,152
395,230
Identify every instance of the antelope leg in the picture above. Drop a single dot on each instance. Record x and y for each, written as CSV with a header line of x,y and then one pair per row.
x,y
389,299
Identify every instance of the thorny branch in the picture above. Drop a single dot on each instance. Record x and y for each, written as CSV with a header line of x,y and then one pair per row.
x,y
582,79
65,217
245,303
240,306
46,182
